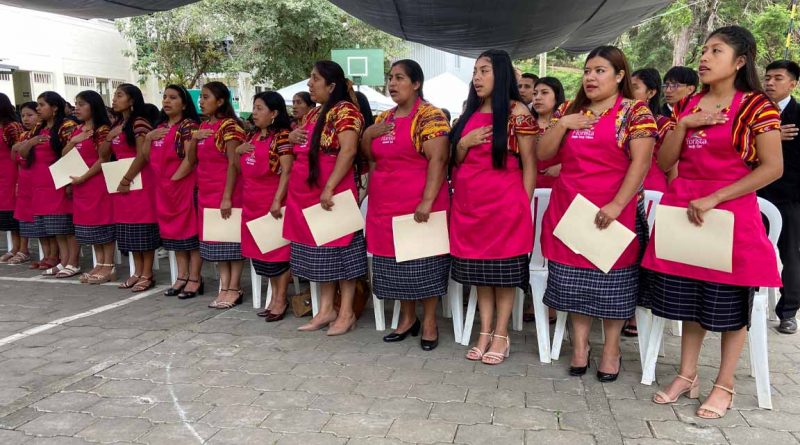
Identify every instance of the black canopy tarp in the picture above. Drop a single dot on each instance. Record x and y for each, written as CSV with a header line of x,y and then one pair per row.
x,y
95,9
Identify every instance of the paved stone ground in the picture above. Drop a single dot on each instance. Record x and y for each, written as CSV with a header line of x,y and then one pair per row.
x,y
165,371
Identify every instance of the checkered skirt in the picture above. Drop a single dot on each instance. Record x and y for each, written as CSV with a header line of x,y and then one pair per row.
x,y
181,245
32,229
137,237
56,224
505,272
91,235
270,269
410,280
7,221
325,264
212,251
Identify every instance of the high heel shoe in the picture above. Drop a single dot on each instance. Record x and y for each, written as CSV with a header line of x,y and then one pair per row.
x,y
333,330
175,291
316,324
400,336
716,412
429,345
228,304
693,392
184,295
475,354
577,371
273,317
495,358
607,377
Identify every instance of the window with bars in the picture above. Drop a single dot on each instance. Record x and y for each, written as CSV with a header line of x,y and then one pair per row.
x,y
70,80
5,76
87,82
116,83
42,78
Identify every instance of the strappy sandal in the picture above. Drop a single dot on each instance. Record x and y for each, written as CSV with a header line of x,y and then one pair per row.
x,y
692,392
475,354
68,271
127,283
214,304
144,283
19,258
48,263
495,358
7,257
716,412
53,271
630,330
230,304
99,278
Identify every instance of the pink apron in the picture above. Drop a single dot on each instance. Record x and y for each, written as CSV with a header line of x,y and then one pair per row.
x,y
91,202
491,214
544,181
396,184
212,172
261,185
175,211
137,206
656,179
8,176
708,162
49,201
23,210
302,195
594,166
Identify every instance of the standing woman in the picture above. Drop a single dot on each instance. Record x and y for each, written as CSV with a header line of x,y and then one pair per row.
x,y
301,105
548,97
91,203
728,143
168,148
10,133
326,143
606,142
134,211
646,84
266,161
218,186
23,210
491,224
408,151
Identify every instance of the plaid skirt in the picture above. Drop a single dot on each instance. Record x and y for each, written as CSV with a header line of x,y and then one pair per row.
x,y
32,229
410,280
137,237
181,245
91,235
717,307
505,272
325,264
270,269
7,221
56,224
211,251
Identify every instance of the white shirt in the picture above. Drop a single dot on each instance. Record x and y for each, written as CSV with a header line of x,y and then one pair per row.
x,y
782,104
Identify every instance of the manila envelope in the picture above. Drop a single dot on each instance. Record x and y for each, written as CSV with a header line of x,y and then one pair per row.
x,y
413,240
71,164
220,230
709,246
343,219
267,232
578,231
114,171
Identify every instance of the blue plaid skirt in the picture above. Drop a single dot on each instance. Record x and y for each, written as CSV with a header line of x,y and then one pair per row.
x,y
137,237
32,229
410,280
181,245
506,272
322,264
56,224
211,251
270,269
91,235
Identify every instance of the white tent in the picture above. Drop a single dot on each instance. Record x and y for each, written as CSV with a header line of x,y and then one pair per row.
x,y
377,101
446,91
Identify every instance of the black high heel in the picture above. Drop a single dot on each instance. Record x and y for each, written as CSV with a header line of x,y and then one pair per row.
x,y
200,290
400,336
430,345
577,371
175,291
607,377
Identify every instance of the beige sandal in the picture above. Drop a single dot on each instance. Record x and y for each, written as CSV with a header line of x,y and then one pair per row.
x,y
495,358
693,391
475,354
98,278
717,413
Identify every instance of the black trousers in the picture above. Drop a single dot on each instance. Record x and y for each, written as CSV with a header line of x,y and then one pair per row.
x,y
789,249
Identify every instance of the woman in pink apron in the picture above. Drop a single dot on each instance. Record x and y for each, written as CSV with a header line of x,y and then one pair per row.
x,y
266,161
491,226
218,185
326,143
301,105
606,140
91,203
134,210
727,140
52,209
548,98
175,180
10,133
408,149
646,85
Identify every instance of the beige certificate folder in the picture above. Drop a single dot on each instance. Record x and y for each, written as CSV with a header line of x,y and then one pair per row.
x,y
709,246
222,230
578,231
413,240
267,232
71,164
343,219
114,171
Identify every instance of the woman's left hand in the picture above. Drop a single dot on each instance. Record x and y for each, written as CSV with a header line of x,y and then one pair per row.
x,y
423,211
698,207
123,188
608,214
326,199
225,207
275,210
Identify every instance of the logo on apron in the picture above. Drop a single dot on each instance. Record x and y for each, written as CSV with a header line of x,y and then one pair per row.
x,y
583,134
697,140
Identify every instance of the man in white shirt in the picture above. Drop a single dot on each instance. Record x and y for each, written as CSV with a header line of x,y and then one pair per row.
x,y
525,85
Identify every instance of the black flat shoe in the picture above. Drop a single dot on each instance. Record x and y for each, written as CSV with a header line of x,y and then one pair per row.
x,y
577,371
175,291
200,290
430,345
400,336
607,377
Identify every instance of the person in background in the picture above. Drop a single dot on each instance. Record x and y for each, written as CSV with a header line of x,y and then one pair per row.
x,y
525,85
647,88
779,82
447,115
152,114
679,82
301,105
10,133
548,98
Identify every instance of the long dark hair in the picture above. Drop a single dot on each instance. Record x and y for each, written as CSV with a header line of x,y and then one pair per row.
x,y
275,102
54,100
743,44
220,91
504,91
333,74
7,111
617,59
98,108
365,108
152,113
189,111
558,92
652,81
414,72
137,111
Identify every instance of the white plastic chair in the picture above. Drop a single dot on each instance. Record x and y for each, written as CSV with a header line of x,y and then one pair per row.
x,y
10,241
378,305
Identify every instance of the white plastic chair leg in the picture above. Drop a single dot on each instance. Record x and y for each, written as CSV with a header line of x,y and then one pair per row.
x,y
173,266
558,335
455,299
268,298
10,241
677,328
654,344
41,251
315,289
469,319
396,314
94,257
255,283
644,321
538,283
516,312
156,262
380,316
759,359
131,263
446,311
117,255
773,303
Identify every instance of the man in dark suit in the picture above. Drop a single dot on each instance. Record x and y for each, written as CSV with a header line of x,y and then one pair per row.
x,y
779,81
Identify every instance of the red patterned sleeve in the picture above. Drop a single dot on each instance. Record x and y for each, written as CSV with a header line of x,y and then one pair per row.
x,y
641,123
232,131
141,127
66,130
281,144
347,118
12,133
766,117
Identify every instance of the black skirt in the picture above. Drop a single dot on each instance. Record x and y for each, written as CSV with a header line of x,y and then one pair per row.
x,y
270,269
181,245
56,224
7,221
211,251
137,237
322,264
505,272
32,229
410,280
91,235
